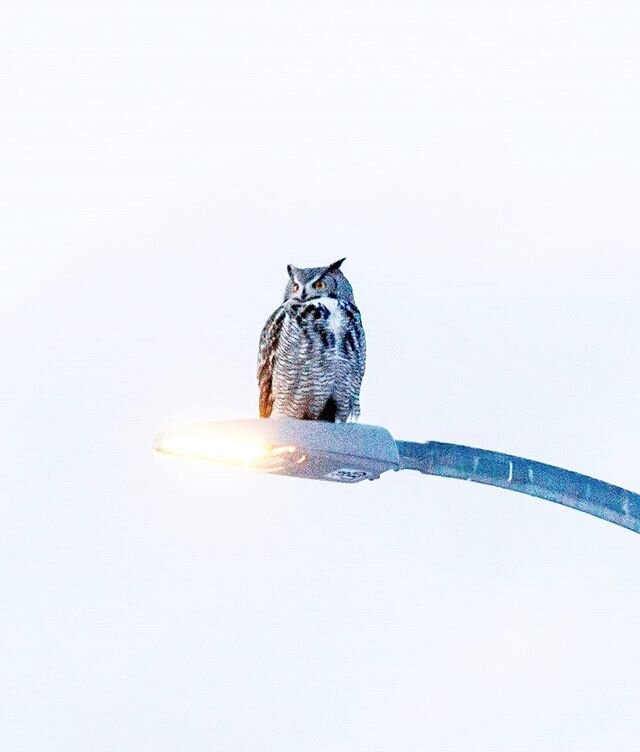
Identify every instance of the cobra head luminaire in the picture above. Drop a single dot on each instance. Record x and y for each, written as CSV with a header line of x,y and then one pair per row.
x,y
343,452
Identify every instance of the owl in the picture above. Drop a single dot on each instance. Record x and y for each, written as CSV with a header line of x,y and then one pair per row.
x,y
311,356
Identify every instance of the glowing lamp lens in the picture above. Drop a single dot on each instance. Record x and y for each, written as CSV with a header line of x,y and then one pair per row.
x,y
204,443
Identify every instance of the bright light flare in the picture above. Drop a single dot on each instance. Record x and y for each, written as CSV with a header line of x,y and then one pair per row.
x,y
205,442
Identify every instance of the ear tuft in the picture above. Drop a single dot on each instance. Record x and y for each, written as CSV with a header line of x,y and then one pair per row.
x,y
336,264
290,270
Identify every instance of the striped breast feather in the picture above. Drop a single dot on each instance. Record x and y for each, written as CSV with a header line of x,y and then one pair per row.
x,y
269,339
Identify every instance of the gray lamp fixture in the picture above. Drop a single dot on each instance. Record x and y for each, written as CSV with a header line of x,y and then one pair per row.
x,y
351,452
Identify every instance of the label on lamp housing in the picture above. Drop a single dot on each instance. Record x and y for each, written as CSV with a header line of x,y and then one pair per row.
x,y
347,475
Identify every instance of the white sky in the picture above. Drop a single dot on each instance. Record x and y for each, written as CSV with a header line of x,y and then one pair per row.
x,y
160,164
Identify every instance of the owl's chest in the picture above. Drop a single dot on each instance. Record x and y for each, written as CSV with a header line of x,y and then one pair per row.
x,y
314,324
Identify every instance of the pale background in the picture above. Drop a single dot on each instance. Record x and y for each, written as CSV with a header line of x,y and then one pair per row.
x,y
161,163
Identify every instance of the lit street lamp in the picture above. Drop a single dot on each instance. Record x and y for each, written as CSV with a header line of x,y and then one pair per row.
x,y
351,452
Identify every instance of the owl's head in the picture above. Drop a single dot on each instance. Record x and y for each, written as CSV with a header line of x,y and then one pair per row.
x,y
318,282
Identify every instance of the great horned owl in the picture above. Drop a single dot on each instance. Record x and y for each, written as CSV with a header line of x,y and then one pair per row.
x,y
312,349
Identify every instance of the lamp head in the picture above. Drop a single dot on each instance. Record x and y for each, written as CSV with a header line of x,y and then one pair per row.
x,y
342,452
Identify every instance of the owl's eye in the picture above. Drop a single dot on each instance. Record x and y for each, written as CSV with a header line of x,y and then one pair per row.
x,y
296,287
319,285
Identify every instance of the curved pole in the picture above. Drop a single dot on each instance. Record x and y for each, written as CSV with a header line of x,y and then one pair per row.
x,y
565,487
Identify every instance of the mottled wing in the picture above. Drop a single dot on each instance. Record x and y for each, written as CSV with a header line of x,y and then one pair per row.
x,y
267,350
355,333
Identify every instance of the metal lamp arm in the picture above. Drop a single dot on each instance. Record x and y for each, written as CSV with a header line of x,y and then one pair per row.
x,y
574,490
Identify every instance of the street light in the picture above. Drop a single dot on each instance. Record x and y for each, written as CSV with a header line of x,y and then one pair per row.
x,y
351,452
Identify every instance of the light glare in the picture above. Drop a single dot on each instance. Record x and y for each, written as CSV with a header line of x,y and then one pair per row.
x,y
203,443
